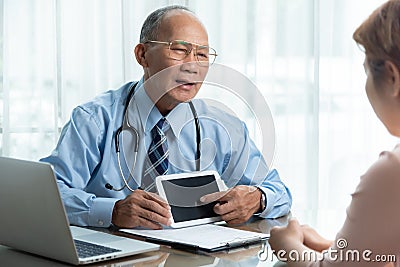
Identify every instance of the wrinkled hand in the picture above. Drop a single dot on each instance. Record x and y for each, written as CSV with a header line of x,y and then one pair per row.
x,y
143,209
236,205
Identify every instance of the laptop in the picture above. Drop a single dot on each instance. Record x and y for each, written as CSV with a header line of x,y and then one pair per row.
x,y
34,219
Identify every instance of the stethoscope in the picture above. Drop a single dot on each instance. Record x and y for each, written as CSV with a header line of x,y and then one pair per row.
x,y
126,126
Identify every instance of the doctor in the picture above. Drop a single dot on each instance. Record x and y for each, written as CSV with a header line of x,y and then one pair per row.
x,y
95,182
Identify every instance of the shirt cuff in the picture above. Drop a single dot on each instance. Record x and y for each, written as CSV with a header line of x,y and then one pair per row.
x,y
101,212
269,196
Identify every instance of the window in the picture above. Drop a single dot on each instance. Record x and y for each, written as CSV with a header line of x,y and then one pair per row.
x,y
299,53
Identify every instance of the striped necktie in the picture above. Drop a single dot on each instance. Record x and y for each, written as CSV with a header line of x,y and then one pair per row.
x,y
158,151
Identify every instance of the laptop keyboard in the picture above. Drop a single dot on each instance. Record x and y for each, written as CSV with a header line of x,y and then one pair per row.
x,y
86,249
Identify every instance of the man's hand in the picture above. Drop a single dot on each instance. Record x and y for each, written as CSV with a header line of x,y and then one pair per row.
x,y
143,209
236,205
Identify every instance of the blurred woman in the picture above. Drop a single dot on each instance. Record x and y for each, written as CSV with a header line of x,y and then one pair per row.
x,y
370,235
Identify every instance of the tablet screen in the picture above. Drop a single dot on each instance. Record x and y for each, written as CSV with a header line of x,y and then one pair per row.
x,y
184,194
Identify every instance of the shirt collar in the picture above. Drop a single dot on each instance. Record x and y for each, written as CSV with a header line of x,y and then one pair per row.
x,y
179,117
149,114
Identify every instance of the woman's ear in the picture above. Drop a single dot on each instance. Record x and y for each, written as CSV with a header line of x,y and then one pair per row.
x,y
393,78
140,51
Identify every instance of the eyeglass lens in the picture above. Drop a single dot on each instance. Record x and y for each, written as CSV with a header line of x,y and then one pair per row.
x,y
179,50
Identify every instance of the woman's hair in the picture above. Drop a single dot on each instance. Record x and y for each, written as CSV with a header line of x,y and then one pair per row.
x,y
152,23
379,35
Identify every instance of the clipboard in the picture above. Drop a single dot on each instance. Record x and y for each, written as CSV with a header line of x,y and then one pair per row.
x,y
206,237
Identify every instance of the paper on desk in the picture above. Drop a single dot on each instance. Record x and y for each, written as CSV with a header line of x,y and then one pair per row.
x,y
206,236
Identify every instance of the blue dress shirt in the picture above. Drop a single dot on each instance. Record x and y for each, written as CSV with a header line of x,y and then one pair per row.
x,y
85,158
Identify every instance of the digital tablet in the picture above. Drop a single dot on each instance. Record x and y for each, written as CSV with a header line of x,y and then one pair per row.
x,y
183,192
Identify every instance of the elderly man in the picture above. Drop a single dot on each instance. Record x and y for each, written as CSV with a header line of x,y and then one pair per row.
x,y
100,189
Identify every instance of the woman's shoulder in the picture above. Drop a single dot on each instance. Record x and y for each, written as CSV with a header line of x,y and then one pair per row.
x,y
388,162
384,174
372,218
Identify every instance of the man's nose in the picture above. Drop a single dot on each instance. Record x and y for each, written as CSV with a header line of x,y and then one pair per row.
x,y
190,63
191,56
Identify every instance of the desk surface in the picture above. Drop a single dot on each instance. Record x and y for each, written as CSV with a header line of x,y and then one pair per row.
x,y
166,256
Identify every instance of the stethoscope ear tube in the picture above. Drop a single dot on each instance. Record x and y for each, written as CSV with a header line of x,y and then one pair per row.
x,y
125,124
117,139
198,137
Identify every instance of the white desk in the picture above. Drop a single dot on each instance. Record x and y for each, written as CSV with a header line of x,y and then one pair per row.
x,y
166,256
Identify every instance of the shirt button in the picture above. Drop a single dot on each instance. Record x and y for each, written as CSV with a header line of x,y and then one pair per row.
x,y
100,222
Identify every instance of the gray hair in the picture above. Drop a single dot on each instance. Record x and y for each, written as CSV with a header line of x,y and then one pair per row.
x,y
152,23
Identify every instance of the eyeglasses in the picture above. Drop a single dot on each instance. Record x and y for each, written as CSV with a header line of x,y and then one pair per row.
x,y
179,50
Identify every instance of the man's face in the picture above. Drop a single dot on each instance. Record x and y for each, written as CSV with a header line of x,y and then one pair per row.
x,y
181,82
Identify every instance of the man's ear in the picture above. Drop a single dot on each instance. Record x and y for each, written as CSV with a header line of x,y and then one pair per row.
x,y
393,78
140,50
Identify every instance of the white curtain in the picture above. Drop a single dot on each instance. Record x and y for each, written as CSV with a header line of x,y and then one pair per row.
x,y
57,54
